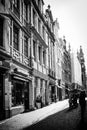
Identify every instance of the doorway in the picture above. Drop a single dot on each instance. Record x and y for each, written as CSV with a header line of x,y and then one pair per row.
x,y
1,97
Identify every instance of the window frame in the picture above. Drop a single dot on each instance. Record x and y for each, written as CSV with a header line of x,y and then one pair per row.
x,y
25,45
1,30
34,49
16,33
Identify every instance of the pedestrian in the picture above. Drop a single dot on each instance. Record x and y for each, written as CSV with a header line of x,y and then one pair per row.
x,y
82,103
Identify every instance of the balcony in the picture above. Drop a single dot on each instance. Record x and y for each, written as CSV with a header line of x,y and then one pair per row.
x,y
20,57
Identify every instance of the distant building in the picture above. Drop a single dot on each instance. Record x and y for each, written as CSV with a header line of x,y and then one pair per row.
x,y
83,68
66,67
76,71
58,60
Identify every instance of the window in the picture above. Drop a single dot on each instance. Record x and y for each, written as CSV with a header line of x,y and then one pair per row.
x,y
34,49
43,32
1,32
34,17
29,13
39,25
25,46
39,53
16,7
44,57
25,14
3,2
16,37
17,93
16,4
39,4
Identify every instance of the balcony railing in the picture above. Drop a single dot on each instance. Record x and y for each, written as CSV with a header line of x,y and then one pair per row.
x,y
20,57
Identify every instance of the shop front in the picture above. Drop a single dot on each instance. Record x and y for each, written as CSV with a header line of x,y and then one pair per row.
x,y
53,90
20,93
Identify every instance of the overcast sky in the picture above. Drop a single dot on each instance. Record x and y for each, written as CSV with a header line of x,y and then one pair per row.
x,y
72,17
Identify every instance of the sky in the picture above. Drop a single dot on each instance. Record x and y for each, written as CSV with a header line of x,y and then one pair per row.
x,y
72,18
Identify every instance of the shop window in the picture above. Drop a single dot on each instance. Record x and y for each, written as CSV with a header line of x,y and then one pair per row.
x,y
17,94
25,46
16,37
1,32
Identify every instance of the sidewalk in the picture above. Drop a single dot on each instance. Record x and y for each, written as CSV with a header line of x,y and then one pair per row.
x,y
23,120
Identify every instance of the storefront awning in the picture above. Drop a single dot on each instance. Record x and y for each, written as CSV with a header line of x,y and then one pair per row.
x,y
20,77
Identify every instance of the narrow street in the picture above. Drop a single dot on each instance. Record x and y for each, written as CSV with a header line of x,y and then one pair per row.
x,y
64,120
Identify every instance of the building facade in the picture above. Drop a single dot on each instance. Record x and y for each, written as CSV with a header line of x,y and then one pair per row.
x,y
39,52
16,83
27,63
50,55
66,68
58,61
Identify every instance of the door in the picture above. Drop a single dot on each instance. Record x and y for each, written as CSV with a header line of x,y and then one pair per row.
x,y
26,97
1,98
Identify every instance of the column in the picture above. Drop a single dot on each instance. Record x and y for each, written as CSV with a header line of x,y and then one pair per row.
x,y
31,93
38,87
43,92
7,93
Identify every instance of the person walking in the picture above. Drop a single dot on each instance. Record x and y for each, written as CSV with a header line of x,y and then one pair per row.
x,y
82,103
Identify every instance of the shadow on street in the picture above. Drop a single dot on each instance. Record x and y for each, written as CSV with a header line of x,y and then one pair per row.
x,y
63,120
